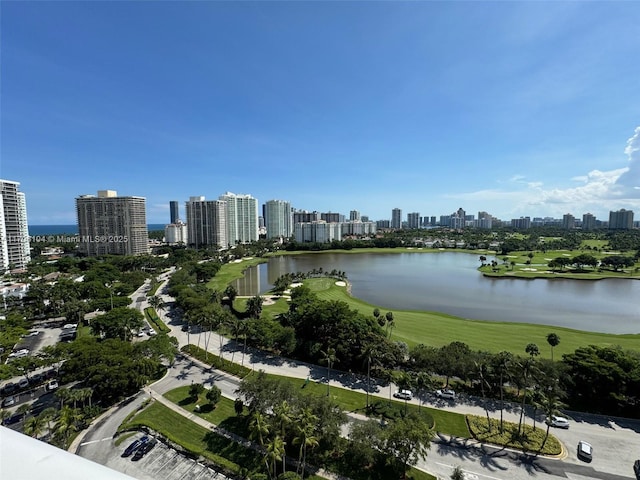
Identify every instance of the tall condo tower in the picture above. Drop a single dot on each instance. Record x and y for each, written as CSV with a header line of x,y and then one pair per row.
x,y
278,219
174,211
14,231
112,225
242,218
396,218
206,223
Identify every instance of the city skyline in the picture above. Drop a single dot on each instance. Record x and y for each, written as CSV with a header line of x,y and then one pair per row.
x,y
516,109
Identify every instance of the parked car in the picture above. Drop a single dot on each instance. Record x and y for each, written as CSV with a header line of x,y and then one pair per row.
x,y
134,446
144,449
9,388
9,401
52,385
556,421
19,353
23,383
404,394
585,451
447,394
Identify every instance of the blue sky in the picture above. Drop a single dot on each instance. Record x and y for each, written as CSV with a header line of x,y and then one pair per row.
x,y
515,108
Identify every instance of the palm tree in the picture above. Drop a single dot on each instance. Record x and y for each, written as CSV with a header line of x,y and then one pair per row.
x,y
390,323
527,366
66,423
505,360
62,394
306,423
553,340
457,474
422,381
254,306
283,416
34,426
259,427
483,370
156,302
550,405
47,416
329,357
369,354
276,451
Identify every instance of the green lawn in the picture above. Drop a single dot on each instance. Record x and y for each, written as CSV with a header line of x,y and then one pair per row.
x,y
232,271
438,329
195,438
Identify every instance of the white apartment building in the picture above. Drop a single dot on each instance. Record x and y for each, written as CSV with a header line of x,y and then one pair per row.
x,y
358,228
278,219
176,233
206,223
15,251
242,218
319,231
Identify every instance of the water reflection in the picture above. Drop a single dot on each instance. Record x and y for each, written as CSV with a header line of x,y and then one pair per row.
x,y
450,283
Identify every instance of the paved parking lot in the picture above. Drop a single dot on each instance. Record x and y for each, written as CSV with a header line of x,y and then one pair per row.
x,y
161,462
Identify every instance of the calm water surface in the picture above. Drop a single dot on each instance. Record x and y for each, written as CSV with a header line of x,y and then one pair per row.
x,y
450,283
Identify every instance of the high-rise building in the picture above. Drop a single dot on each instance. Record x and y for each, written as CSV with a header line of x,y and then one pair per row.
x,y
176,233
206,223
354,215
112,225
396,218
302,216
588,222
521,223
413,220
331,217
242,218
621,220
15,251
320,231
278,219
568,221
174,211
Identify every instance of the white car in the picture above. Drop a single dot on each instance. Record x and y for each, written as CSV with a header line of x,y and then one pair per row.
x,y
560,422
404,394
446,394
19,354
52,385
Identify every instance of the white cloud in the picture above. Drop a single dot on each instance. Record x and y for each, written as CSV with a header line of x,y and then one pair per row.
x,y
628,185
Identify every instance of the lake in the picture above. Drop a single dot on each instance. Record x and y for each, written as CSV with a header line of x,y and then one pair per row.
x,y
450,283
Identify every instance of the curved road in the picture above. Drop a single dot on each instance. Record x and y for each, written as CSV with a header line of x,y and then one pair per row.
x,y
616,442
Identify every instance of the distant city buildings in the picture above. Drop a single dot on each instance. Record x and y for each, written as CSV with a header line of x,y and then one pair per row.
x,y
621,220
568,221
176,233
242,218
174,211
112,225
318,231
413,220
396,218
588,222
14,230
206,223
278,219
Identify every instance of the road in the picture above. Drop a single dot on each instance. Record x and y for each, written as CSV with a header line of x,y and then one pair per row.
x,y
616,443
